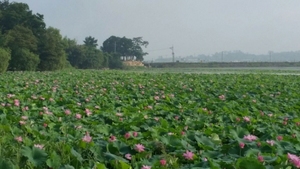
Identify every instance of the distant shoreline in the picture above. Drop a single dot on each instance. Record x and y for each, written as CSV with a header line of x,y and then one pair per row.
x,y
221,64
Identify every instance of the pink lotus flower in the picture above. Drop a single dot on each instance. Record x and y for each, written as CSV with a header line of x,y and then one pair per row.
x,y
295,160
25,108
156,118
22,122
139,148
250,137
88,112
10,95
246,119
156,97
188,155
279,138
146,167
119,114
19,139
135,134
186,128
87,138
112,138
163,162
78,116
24,117
222,97
260,158
128,156
40,146
258,144
271,142
127,135
242,145
16,102
67,112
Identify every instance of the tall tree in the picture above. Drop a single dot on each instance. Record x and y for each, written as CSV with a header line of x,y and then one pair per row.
x,y
51,49
24,60
90,42
127,49
137,50
4,57
23,46
93,59
15,13
21,37
76,55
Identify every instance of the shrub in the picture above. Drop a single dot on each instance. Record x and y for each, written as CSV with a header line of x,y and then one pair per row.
x,y
5,58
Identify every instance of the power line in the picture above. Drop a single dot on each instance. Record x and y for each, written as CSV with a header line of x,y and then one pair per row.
x,y
157,49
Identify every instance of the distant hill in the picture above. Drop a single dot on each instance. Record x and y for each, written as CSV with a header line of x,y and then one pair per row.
x,y
237,56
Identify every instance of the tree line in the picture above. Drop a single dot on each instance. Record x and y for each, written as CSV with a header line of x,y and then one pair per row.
x,y
26,44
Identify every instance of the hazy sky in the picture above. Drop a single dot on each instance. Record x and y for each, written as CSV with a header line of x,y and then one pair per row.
x,y
192,26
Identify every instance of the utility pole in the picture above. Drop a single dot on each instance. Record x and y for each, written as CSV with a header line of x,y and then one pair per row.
x,y
173,55
115,47
270,53
222,55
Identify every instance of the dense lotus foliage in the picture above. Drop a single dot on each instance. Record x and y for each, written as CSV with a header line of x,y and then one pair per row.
x,y
121,120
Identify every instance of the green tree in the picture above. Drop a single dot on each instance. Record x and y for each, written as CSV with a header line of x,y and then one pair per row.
x,y
23,46
128,49
90,42
76,55
25,60
15,13
137,50
4,57
74,52
114,61
51,49
21,37
93,59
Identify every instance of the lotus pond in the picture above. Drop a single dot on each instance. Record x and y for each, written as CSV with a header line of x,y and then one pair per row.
x,y
123,120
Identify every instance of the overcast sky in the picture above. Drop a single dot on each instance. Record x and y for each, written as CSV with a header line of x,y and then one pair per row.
x,y
192,26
